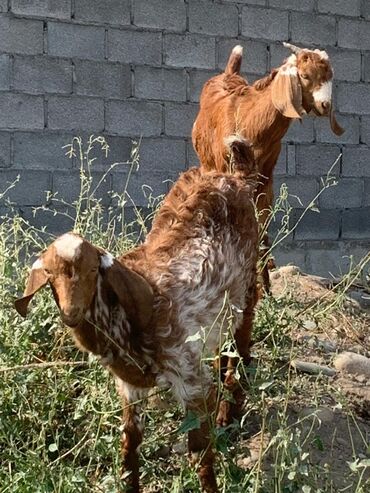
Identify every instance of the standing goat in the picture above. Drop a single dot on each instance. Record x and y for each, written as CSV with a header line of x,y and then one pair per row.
x,y
138,312
261,113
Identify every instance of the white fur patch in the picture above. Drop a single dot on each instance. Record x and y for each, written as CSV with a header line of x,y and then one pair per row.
x,y
106,261
322,54
288,69
235,138
238,50
68,246
37,264
324,93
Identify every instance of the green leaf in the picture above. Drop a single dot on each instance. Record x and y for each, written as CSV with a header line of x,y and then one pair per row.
x,y
190,422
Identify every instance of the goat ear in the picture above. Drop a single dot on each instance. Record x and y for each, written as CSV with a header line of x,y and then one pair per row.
x,y
36,280
336,128
134,293
286,92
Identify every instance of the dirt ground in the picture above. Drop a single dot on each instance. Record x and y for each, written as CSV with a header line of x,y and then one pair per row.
x,y
331,413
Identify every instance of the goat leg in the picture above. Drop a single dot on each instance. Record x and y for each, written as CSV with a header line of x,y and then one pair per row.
x,y
199,443
132,434
231,404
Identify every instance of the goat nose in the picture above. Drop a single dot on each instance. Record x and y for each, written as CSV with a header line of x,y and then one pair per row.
x,y
325,105
71,316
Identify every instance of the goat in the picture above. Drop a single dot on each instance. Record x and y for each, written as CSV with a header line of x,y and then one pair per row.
x,y
137,312
261,113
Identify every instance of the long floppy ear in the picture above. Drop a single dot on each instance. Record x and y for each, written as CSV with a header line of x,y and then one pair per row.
x,y
36,280
286,92
336,128
134,293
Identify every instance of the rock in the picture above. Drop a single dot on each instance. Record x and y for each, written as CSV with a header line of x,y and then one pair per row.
x,y
289,270
360,298
353,363
312,368
327,346
322,413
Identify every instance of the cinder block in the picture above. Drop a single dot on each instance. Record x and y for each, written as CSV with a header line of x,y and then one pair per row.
x,y
367,66
52,218
323,225
300,131
108,80
365,130
354,34
3,5
291,159
254,55
39,75
143,184
179,118
192,157
119,154
39,150
301,190
340,7
281,165
75,113
356,224
244,2
325,259
21,35
197,79
4,72
167,155
107,12
31,188
75,41
21,111
290,255
211,18
4,152
366,9
304,5
160,14
189,50
366,202
346,194
313,29
134,118
278,53
351,125
67,186
159,83
356,161
58,9
139,47
317,159
346,64
265,23
353,98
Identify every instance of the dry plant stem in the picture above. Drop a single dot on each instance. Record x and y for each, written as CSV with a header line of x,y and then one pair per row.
x,y
42,366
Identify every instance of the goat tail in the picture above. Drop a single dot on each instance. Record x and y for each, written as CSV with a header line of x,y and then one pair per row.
x,y
235,61
241,157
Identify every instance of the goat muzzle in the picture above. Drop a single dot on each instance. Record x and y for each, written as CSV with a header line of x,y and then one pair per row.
x,y
72,317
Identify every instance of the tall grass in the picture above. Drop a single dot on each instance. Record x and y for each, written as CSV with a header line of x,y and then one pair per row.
x,y
60,415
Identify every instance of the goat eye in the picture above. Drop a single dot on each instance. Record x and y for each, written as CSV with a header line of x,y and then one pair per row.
x,y
47,272
304,76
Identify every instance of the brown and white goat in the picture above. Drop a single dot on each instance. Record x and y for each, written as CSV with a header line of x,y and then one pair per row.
x,y
138,312
261,113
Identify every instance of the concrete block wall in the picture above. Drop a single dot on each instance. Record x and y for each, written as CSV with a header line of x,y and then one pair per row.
x,y
131,69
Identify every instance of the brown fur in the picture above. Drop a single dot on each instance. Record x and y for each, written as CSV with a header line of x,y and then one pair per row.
x,y
229,105
136,313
